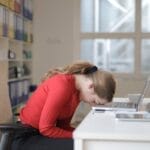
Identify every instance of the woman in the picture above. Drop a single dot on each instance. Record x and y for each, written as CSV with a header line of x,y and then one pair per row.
x,y
50,108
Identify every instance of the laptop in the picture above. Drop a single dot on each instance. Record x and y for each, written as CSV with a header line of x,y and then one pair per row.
x,y
124,106
133,116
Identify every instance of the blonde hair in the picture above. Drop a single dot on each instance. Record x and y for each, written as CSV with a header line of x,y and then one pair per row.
x,y
104,83
75,68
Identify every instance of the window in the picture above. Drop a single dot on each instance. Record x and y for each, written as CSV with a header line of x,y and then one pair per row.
x,y
115,34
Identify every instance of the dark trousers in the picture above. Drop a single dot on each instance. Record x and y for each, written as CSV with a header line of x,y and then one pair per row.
x,y
33,140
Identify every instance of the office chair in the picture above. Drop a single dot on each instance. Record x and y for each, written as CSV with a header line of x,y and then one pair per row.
x,y
7,126
7,131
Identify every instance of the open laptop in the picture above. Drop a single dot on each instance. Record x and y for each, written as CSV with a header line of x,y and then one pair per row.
x,y
133,116
124,106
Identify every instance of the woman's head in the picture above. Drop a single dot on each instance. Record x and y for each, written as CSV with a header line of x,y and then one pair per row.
x,y
94,83
96,86
104,84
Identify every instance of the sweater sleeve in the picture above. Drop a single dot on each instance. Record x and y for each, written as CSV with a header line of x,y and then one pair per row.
x,y
57,97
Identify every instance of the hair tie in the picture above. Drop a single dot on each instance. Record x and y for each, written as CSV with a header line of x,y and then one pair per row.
x,y
90,70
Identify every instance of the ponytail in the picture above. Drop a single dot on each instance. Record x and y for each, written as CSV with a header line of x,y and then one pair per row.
x,y
75,68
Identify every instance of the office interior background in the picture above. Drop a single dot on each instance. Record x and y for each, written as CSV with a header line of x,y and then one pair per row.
x,y
112,34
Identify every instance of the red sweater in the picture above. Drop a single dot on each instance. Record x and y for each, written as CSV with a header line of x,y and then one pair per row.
x,y
51,107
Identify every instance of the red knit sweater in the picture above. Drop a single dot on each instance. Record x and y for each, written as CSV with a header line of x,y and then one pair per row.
x,y
51,107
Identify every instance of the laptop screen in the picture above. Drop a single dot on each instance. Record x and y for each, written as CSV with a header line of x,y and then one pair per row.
x,y
142,95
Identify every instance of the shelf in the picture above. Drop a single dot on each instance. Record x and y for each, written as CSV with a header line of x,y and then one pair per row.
x,y
16,40
27,60
20,78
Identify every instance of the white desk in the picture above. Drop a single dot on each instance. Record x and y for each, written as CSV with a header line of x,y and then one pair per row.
x,y
101,131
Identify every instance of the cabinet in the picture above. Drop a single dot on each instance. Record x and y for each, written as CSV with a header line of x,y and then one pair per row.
x,y
16,41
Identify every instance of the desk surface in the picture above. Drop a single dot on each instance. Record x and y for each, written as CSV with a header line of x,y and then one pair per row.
x,y
99,125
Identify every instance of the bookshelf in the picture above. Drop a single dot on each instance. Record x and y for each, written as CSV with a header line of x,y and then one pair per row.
x,y
16,41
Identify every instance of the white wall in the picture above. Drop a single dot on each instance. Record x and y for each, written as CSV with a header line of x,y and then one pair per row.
x,y
53,35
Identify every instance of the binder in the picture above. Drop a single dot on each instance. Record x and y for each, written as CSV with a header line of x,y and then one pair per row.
x,y
19,91
1,1
19,28
5,22
11,27
1,20
7,3
12,4
17,6
12,93
25,31
25,6
29,26
4,2
30,9
26,85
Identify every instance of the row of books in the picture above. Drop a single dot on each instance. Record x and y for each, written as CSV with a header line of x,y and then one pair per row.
x,y
19,91
24,7
15,26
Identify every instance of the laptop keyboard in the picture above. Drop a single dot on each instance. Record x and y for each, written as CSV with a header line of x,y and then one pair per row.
x,y
123,105
147,107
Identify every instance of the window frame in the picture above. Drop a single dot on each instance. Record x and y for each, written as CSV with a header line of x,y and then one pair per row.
x,y
137,36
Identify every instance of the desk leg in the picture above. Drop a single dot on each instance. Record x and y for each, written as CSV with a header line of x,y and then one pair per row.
x,y
78,144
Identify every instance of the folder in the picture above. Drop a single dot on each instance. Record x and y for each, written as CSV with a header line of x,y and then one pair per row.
x,y
12,4
1,20
18,91
30,9
11,27
25,30
5,22
26,85
25,6
4,2
19,28
12,93
17,6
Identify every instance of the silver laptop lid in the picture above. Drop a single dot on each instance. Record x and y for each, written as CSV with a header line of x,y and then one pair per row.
x,y
142,95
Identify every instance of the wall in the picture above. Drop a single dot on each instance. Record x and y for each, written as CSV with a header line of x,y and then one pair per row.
x,y
53,35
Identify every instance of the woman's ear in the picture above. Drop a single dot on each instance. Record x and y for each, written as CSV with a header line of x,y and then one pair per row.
x,y
91,86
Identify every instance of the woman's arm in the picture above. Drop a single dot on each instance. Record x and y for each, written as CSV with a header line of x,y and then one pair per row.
x,y
58,96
